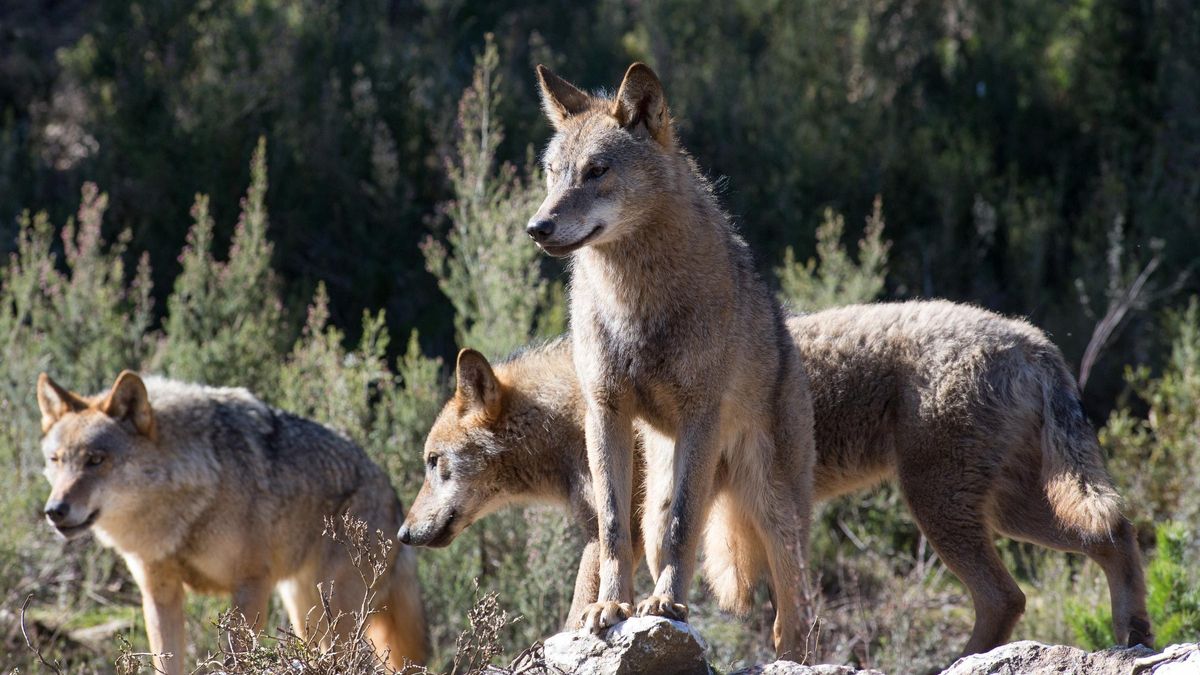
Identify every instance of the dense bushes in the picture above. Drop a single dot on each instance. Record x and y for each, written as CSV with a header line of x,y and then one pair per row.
x,y
1006,138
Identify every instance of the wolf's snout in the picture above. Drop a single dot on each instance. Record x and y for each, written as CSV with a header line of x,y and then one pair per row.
x,y
404,535
57,510
540,230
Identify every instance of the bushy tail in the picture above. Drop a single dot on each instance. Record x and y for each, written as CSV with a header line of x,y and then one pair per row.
x,y
399,627
734,558
1077,485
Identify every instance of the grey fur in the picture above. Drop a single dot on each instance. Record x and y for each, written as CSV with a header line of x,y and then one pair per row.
x,y
222,493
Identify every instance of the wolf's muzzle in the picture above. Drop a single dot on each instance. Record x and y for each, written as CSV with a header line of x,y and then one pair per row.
x,y
425,536
67,530
540,230
57,511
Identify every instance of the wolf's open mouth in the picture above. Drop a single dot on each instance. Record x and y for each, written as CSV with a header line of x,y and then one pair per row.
x,y
70,531
560,251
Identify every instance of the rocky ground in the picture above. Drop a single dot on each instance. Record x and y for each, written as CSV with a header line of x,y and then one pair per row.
x,y
656,646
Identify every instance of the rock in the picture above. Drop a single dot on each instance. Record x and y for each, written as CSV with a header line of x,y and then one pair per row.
x,y
657,646
1034,658
793,668
100,636
1181,659
647,645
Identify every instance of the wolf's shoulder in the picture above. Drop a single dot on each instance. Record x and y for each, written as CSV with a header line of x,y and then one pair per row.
x,y
166,393
182,405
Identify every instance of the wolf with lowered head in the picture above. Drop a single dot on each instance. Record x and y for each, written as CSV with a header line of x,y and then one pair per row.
x,y
671,326
211,489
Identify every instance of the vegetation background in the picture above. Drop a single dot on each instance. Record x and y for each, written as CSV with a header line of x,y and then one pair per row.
x,y
1040,159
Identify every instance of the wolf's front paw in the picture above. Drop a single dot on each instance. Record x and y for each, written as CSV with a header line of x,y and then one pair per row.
x,y
664,606
600,616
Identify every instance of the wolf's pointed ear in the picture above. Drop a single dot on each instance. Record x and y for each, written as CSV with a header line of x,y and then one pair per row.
x,y
560,99
478,388
55,401
640,101
128,400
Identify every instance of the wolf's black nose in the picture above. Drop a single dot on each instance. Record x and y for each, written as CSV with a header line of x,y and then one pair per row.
x,y
540,229
57,510
403,534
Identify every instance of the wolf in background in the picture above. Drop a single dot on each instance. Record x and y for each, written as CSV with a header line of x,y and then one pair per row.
x,y
975,415
212,489
672,326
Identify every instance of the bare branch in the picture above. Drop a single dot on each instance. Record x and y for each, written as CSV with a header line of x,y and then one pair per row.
x,y
1119,304
28,643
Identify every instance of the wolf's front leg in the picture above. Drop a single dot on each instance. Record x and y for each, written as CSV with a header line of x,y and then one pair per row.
x,y
683,514
587,581
162,607
610,459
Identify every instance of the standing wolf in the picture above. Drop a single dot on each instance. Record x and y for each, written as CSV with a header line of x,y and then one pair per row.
x,y
213,489
672,326
974,414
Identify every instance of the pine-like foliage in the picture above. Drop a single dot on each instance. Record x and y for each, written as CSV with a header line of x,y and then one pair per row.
x,y
225,319
488,268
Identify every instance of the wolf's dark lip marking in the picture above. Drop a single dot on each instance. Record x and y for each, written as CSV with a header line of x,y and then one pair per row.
x,y
69,530
560,251
446,535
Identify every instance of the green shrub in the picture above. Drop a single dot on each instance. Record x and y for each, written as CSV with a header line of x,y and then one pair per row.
x,y
1173,586
833,278
1155,458
75,312
488,268
1172,595
224,320
490,272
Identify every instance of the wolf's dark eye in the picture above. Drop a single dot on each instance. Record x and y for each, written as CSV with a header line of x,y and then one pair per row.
x,y
53,459
596,170
433,461
95,460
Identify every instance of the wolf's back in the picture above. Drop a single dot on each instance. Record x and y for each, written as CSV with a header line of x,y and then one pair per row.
x,y
252,442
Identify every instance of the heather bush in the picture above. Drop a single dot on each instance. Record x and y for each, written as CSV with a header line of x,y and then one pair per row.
x,y
73,310
224,320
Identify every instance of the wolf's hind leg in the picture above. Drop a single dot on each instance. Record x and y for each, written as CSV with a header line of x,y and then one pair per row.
x,y
782,508
948,505
302,601
779,521
656,511
397,627
1025,514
